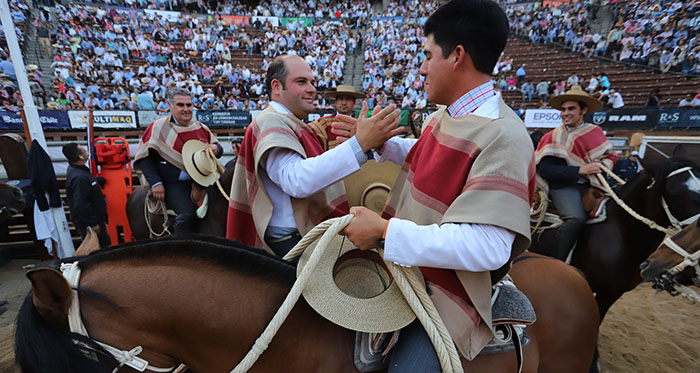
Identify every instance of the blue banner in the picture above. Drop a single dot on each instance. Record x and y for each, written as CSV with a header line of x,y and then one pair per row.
x,y
50,120
679,117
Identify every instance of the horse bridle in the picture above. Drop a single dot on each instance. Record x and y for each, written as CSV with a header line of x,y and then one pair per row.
x,y
677,224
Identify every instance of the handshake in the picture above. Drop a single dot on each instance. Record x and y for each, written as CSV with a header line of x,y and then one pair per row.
x,y
371,132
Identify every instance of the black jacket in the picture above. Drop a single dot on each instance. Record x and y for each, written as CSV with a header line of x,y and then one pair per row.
x,y
43,177
85,199
558,173
158,170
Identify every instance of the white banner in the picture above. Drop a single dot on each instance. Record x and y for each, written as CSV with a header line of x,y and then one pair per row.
x,y
274,21
170,16
103,119
542,118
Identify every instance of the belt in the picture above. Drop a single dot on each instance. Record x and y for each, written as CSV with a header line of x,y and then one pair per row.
x,y
284,238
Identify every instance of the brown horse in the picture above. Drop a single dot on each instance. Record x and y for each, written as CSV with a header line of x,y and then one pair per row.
x,y
609,253
213,223
11,201
203,301
664,259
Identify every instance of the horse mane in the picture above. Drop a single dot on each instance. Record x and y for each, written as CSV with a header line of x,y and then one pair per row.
x,y
665,169
231,255
40,347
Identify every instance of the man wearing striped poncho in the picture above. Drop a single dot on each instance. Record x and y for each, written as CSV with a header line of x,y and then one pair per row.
x,y
459,209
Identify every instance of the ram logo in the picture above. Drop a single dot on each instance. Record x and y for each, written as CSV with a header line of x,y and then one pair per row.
x,y
599,117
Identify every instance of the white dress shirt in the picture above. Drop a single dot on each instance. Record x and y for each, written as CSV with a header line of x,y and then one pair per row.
x,y
460,246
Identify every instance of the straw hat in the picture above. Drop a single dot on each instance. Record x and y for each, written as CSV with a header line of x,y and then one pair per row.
x,y
354,289
145,80
52,105
198,165
345,90
576,94
370,186
32,67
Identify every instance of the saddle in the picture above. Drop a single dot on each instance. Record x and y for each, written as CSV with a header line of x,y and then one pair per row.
x,y
544,215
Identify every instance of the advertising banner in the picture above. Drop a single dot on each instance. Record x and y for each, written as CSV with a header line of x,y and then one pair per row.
x,y
274,21
50,120
679,117
224,118
305,21
147,117
170,16
542,118
240,21
624,118
103,119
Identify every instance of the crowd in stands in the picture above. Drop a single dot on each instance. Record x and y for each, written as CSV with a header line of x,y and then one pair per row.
x,y
655,33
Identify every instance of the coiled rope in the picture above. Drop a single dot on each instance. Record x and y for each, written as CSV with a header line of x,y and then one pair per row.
x,y
406,278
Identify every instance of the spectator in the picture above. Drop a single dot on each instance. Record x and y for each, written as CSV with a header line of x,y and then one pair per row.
x,y
527,90
654,100
615,99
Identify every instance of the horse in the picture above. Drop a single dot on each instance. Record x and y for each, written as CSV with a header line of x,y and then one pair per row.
x,y
202,301
609,253
11,201
664,259
213,223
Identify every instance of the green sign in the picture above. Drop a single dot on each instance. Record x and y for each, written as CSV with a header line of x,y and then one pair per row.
x,y
305,21
402,122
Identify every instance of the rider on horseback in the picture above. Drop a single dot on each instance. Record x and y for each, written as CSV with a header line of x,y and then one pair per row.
x,y
459,208
566,159
159,156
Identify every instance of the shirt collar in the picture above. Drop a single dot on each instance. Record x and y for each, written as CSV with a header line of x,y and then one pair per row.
x,y
472,100
280,108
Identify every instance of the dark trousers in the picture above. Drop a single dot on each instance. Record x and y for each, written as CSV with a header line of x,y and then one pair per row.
x,y
568,202
177,197
105,241
281,248
414,352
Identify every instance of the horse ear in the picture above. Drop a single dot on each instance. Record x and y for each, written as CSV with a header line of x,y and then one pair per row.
x,y
90,243
680,151
51,295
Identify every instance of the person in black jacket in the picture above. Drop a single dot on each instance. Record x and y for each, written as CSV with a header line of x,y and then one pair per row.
x,y
85,199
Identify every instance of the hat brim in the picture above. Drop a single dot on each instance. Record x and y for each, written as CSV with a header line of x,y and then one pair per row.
x,y
385,312
189,150
355,95
592,103
367,186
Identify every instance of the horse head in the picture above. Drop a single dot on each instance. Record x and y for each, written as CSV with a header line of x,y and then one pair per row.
x,y
677,256
11,200
677,186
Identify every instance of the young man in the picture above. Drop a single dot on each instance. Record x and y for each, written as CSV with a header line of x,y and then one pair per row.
x,y
284,183
159,156
85,199
565,160
460,207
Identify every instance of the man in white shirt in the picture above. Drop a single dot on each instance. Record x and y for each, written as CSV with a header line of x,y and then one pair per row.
x,y
297,185
615,99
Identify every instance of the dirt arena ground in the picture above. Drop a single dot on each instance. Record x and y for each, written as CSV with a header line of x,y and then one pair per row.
x,y
643,332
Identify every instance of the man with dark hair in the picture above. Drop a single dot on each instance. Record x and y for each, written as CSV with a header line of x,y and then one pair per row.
x,y
159,156
85,199
459,210
566,159
284,183
331,136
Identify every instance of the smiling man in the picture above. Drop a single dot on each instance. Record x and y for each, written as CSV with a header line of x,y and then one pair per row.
x,y
566,159
159,156
284,183
460,207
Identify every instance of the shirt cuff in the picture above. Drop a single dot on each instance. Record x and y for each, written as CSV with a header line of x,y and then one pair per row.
x,y
361,156
156,184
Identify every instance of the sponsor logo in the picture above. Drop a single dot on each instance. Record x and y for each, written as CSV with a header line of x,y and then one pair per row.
x,y
627,118
547,116
670,117
599,117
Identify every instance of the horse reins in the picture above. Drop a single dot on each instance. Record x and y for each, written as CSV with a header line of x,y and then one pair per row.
x,y
674,221
71,272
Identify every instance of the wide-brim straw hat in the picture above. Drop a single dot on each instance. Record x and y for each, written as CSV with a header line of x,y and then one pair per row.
x,y
52,105
145,80
345,90
203,170
354,289
370,186
576,94
32,67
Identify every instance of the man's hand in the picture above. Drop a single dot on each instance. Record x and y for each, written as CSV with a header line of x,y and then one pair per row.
x,y
365,229
589,169
374,131
158,192
214,148
345,128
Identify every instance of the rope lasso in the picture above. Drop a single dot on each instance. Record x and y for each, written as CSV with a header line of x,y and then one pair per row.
x,y
407,279
218,168
160,204
650,223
